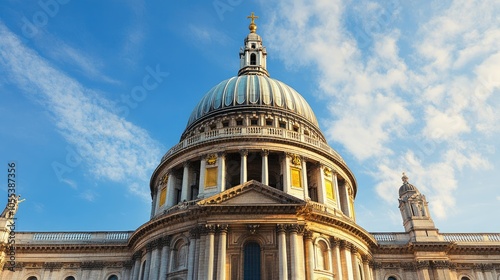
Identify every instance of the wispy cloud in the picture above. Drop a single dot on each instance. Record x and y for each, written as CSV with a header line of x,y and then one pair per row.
x,y
111,147
420,110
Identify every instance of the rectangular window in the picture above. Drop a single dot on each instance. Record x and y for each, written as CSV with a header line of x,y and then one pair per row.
x,y
253,121
296,177
330,194
163,196
211,177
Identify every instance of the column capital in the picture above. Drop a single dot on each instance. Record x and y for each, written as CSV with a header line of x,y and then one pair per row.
x,y
151,245
210,228
295,228
366,259
376,265
244,152
186,164
194,233
221,154
423,264
308,235
128,264
345,245
165,240
264,152
354,249
223,228
281,228
334,241
137,255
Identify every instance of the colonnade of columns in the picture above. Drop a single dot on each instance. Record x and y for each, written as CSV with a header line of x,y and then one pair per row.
x,y
344,259
338,196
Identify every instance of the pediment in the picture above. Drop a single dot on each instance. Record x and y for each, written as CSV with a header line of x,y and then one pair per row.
x,y
251,193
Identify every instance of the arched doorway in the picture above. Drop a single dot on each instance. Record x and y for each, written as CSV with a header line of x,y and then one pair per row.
x,y
251,257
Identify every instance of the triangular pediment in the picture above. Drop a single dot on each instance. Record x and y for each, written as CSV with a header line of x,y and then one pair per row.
x,y
251,193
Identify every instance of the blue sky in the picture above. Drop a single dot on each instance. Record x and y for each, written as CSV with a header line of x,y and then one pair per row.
x,y
93,93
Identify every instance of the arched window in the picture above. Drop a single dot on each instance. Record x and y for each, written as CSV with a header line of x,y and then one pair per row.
x,y
113,277
180,255
251,257
322,256
253,59
69,278
32,278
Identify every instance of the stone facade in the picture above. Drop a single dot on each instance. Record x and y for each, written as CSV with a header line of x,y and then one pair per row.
x,y
253,191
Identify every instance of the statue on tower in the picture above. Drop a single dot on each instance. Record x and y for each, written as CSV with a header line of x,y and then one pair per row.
x,y
12,205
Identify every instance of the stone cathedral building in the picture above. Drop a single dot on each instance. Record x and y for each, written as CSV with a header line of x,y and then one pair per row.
x,y
253,191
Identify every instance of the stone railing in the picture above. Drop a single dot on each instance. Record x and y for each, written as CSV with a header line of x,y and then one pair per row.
x,y
268,132
72,237
320,207
471,237
402,237
391,237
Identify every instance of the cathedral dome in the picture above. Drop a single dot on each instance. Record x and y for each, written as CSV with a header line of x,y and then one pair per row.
x,y
252,91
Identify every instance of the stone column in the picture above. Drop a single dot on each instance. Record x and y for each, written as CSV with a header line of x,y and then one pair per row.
x,y
310,265
155,260
210,252
154,202
193,236
337,263
442,270
265,167
321,184
185,182
127,270
285,167
297,272
137,265
304,179
149,249
354,263
221,261
170,189
243,170
366,268
282,256
221,175
201,186
345,251
376,266
336,190
202,263
488,271
164,259
423,270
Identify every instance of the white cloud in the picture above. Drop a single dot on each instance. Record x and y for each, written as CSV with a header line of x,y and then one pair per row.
x,y
110,146
426,110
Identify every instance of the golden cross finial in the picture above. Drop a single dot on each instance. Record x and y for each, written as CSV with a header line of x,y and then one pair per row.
x,y
252,25
252,17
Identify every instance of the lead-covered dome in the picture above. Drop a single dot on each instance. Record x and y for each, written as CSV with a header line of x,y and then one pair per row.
x,y
252,91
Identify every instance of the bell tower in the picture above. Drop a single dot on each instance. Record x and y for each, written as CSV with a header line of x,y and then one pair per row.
x,y
253,54
415,213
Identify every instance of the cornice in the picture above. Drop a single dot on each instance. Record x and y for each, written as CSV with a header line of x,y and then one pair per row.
x,y
61,247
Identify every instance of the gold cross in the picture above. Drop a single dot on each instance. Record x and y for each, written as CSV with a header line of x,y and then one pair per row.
x,y
253,17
